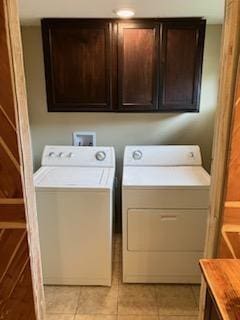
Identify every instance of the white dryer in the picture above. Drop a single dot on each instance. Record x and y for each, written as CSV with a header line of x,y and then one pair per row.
x,y
74,189
165,194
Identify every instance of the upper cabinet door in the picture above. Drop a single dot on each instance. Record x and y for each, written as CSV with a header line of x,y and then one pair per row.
x,y
181,65
77,57
138,44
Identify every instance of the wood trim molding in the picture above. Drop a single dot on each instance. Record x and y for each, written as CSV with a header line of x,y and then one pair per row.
x,y
227,83
12,225
226,230
24,142
232,204
11,201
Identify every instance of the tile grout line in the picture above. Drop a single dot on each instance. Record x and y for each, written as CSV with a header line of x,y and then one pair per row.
x,y
117,298
195,299
119,277
79,293
156,293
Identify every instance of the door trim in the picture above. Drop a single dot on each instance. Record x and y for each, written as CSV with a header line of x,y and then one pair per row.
x,y
24,144
230,50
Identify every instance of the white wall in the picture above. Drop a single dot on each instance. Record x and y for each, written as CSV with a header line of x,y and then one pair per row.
x,y
121,129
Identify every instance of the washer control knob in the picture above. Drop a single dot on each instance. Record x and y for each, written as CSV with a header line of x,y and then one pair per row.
x,y
52,154
100,155
191,154
137,155
70,155
61,154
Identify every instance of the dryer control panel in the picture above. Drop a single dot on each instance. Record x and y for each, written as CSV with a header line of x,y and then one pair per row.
x,y
162,155
78,156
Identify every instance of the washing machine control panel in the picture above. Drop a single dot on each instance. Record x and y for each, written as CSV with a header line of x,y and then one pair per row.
x,y
78,156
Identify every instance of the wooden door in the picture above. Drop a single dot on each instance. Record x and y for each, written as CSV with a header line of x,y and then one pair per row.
x,y
181,65
21,294
138,44
77,56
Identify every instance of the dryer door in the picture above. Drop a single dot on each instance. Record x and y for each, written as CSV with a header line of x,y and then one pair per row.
x,y
166,230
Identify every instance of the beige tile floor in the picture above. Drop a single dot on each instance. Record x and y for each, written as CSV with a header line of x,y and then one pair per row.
x,y
122,301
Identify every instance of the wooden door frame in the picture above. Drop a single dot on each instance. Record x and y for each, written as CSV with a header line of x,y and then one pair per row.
x,y
228,71
14,43
230,50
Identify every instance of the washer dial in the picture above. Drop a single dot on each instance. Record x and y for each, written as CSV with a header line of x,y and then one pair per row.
x,y
100,155
137,155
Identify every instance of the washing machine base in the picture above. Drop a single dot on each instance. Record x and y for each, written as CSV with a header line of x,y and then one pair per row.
x,y
76,236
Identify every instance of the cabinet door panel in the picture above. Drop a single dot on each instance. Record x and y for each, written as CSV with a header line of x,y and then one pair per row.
x,y
137,66
181,58
77,65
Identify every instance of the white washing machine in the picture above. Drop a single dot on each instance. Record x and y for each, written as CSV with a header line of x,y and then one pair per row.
x,y
74,189
165,195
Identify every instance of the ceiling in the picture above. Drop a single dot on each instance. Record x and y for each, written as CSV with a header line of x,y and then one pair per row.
x,y
31,11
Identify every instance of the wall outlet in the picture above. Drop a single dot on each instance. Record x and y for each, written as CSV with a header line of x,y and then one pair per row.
x,y
84,138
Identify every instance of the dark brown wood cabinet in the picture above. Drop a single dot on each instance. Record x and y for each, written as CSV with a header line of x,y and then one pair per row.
x,y
181,60
77,64
140,65
138,47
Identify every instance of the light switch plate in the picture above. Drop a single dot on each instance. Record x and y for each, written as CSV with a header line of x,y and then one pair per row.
x,y
84,138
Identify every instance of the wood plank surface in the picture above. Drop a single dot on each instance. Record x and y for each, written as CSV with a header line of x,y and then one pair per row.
x,y
6,90
231,239
223,280
12,213
232,204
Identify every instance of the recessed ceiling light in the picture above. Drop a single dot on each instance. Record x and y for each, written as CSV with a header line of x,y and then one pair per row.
x,y
125,13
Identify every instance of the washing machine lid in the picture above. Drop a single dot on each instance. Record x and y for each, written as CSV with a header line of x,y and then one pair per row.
x,y
166,177
73,177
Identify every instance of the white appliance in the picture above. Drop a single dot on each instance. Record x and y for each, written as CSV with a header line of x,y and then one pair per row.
x,y
165,195
74,189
